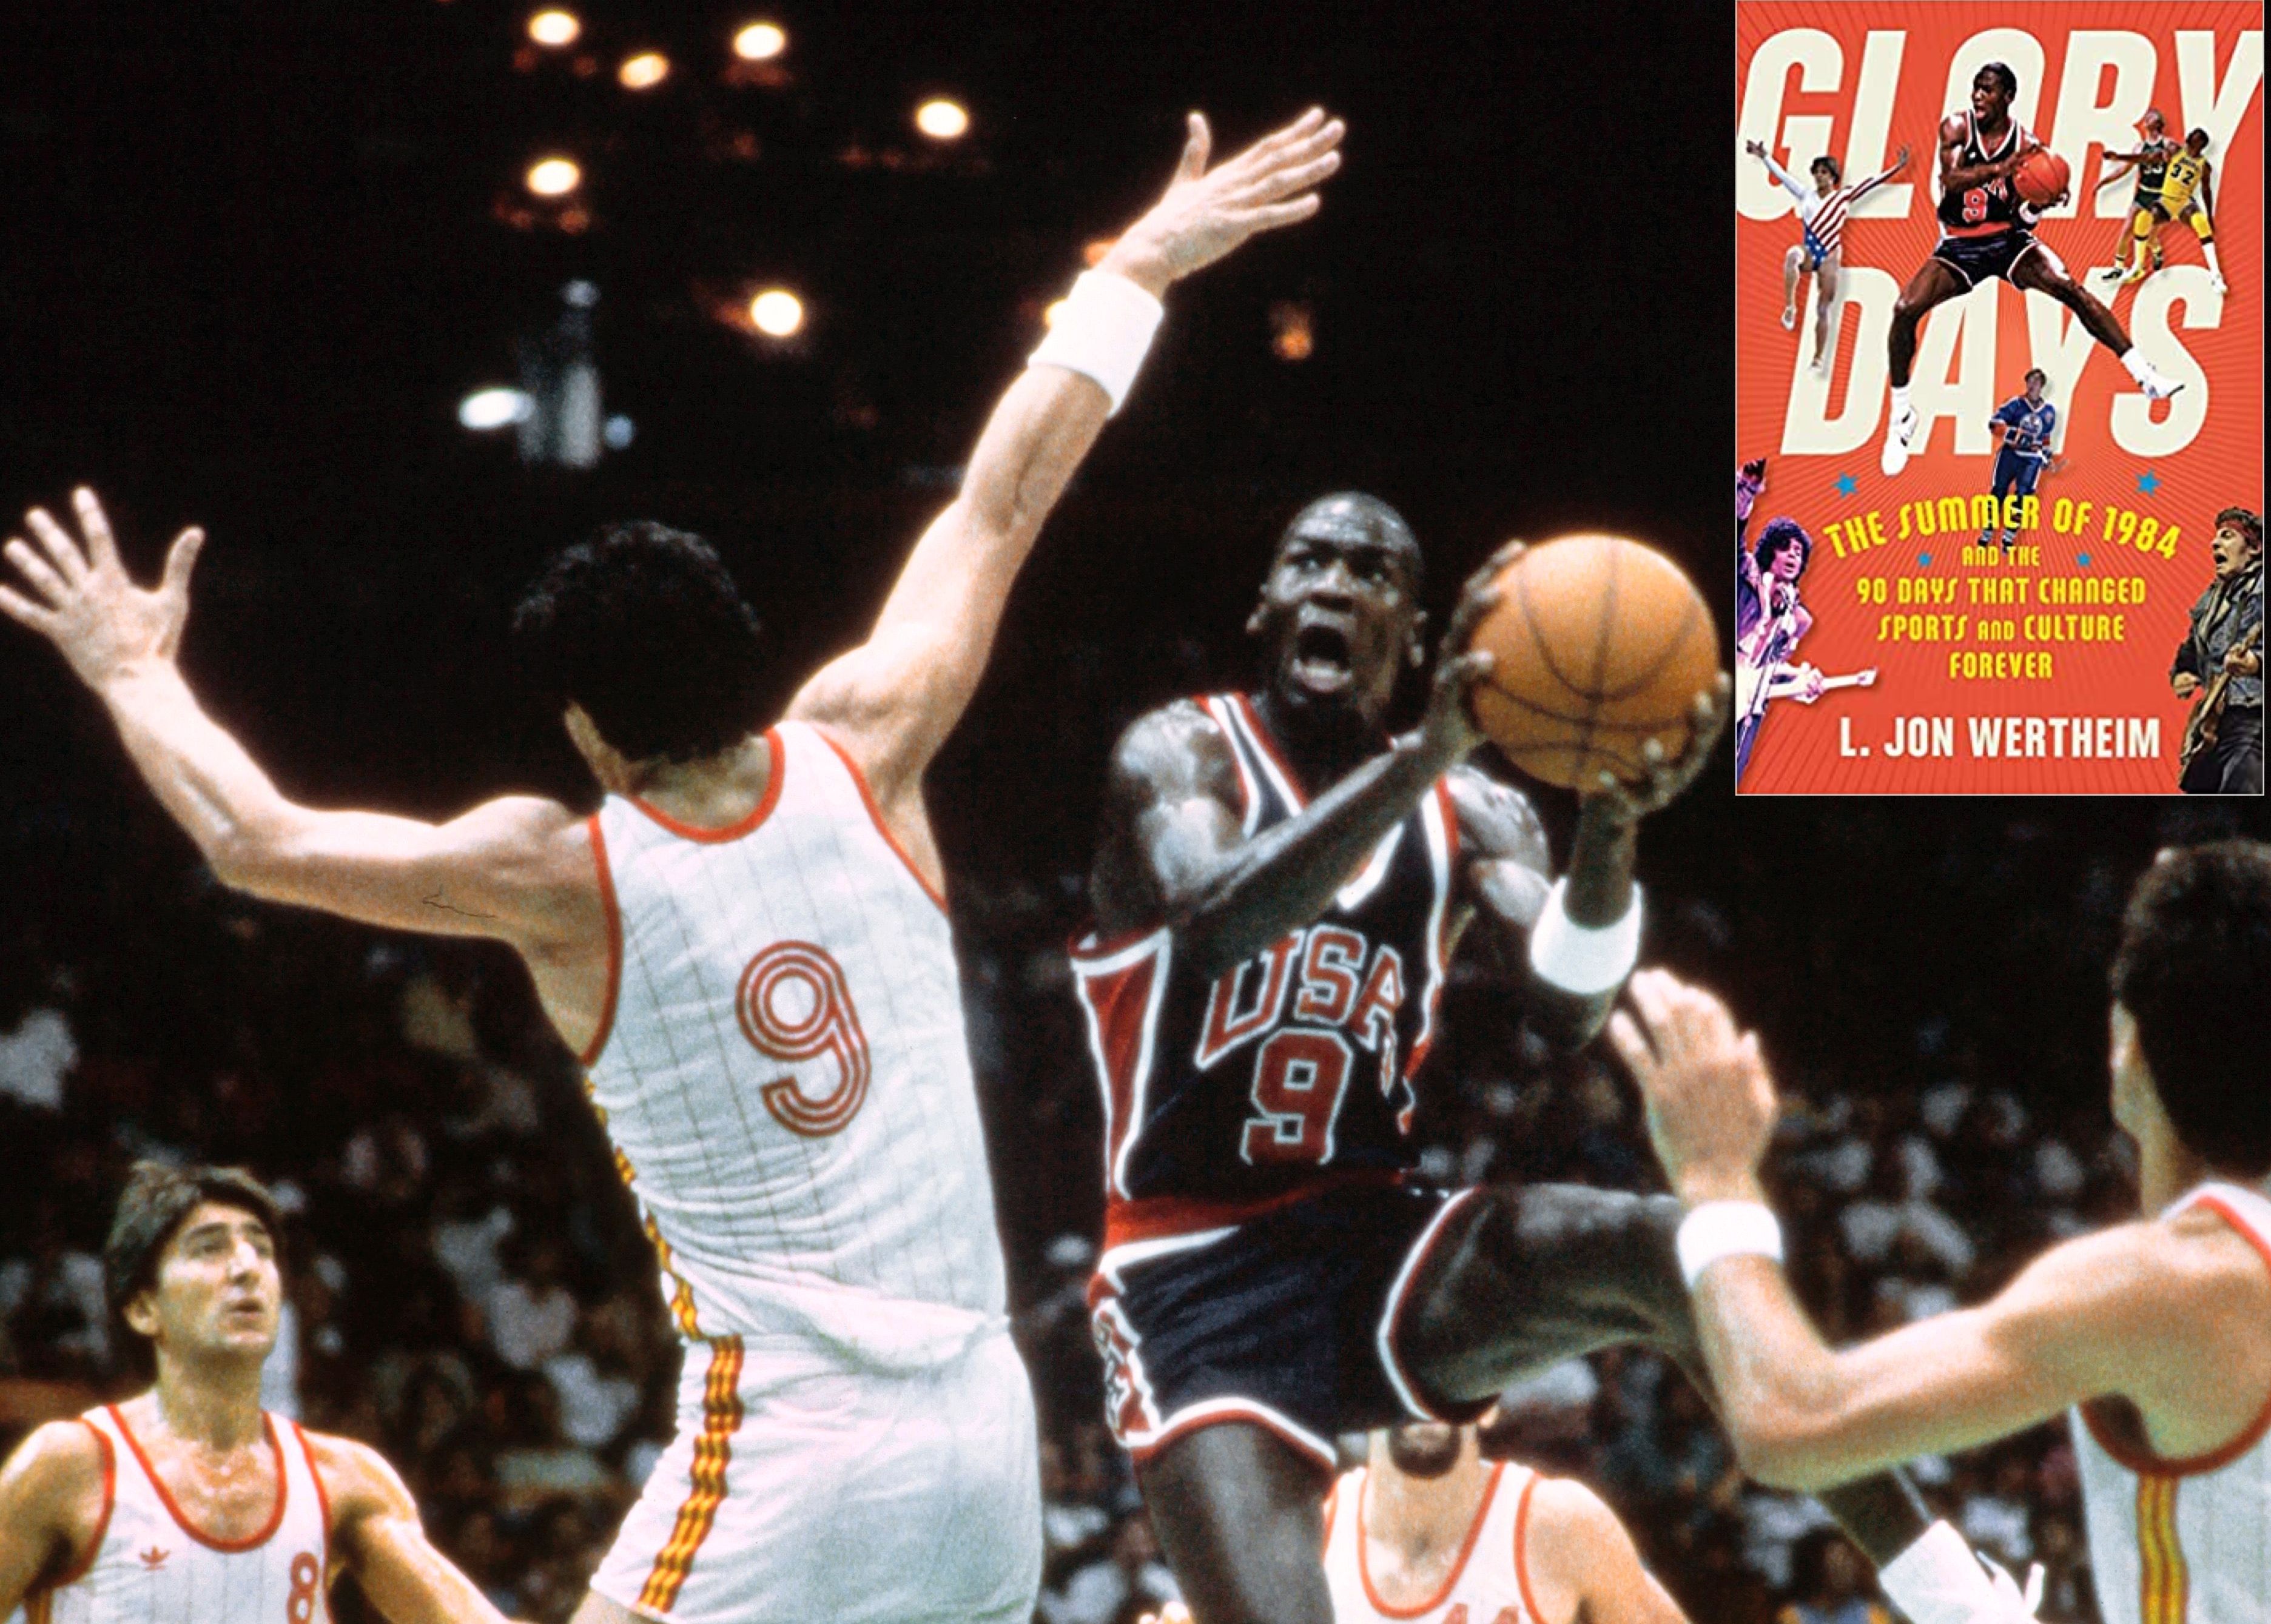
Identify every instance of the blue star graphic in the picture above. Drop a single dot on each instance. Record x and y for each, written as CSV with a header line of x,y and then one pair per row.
x,y
2081,560
2149,482
1847,484
1924,560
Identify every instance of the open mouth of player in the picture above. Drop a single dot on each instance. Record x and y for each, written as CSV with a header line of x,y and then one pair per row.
x,y
1323,662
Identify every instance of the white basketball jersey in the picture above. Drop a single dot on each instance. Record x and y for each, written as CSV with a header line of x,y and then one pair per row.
x,y
153,1566
784,1073
2184,1541
1489,1581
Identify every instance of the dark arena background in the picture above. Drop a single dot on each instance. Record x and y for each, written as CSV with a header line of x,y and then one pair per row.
x,y
257,260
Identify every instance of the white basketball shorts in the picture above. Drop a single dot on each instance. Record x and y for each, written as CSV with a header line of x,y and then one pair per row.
x,y
796,1490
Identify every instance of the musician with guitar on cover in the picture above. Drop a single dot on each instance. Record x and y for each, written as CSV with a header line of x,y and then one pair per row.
x,y
1770,618
2221,660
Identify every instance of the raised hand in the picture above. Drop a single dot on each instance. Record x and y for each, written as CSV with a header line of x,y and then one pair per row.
x,y
1205,213
1449,728
83,601
1710,1100
1757,149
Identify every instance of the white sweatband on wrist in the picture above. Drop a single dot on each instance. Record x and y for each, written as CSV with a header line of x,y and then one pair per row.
x,y
1939,1581
1102,332
1583,959
1720,1229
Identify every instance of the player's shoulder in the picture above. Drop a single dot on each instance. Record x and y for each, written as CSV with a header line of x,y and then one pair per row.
x,y
1178,745
61,1465
2209,1253
1955,126
1572,1545
356,1479
1564,1510
1495,819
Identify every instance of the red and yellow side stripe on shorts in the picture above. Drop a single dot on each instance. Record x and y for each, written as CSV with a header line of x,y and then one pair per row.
x,y
721,1419
2165,1587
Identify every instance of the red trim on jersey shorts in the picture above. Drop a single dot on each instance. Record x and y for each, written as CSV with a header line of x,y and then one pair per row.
x,y
1239,1411
1405,1387
1458,1563
598,1044
713,1452
1991,228
875,812
323,1495
1522,1550
733,831
165,1498
2141,1459
80,1568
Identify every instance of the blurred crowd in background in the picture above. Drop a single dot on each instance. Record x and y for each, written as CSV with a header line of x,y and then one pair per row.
x,y
469,1292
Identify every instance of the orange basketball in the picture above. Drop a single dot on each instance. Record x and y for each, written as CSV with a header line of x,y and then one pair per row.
x,y
1599,644
2041,176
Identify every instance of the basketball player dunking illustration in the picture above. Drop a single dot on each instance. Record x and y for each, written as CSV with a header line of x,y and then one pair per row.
x,y
747,947
1986,230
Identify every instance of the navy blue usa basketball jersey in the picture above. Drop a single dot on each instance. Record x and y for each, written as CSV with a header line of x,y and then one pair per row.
x,y
1994,206
1227,1096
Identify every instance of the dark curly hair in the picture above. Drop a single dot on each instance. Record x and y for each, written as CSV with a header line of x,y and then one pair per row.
x,y
643,627
1779,534
157,1198
2001,71
2196,954
2246,520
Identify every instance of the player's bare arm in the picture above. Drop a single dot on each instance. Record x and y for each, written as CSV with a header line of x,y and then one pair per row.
x,y
513,869
894,700
1953,177
376,1536
1172,851
2116,1314
51,1508
1582,1566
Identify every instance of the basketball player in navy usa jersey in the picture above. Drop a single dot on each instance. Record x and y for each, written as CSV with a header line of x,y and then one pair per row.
x,y
1277,890
1986,229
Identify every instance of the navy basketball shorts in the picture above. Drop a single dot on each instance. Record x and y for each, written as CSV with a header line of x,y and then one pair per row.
x,y
1976,259
1287,1321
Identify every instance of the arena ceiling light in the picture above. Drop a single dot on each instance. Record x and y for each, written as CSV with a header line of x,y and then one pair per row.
x,y
777,313
494,407
644,71
554,27
759,42
553,177
943,119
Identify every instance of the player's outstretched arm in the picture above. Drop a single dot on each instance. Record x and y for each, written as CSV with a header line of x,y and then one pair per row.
x,y
50,1509
1802,1416
1581,1565
894,700
516,869
376,1536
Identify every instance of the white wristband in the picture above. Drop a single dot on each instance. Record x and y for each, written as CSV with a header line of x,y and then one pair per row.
x,y
1939,1581
1720,1229
1582,958
1102,332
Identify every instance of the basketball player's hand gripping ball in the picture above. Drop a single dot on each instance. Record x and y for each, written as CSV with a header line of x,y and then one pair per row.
x,y
1605,672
